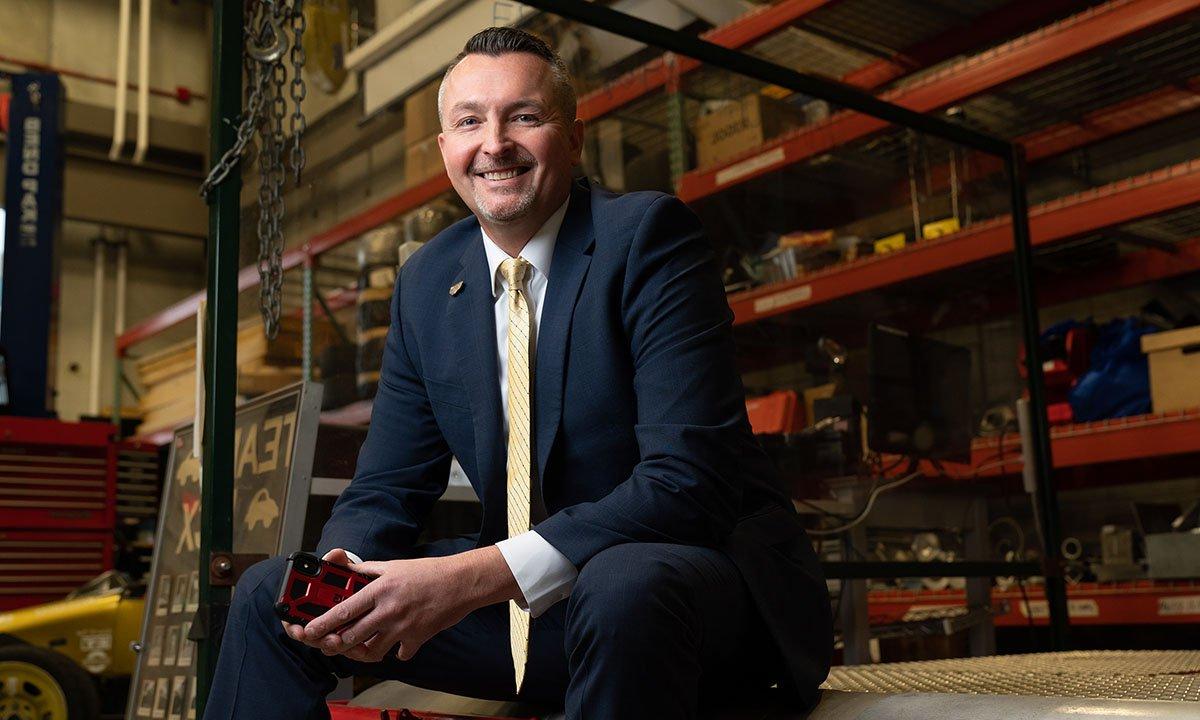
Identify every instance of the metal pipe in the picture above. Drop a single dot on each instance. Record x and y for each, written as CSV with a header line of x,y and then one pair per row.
x,y
848,96
122,277
181,93
143,98
99,256
220,368
118,139
1039,425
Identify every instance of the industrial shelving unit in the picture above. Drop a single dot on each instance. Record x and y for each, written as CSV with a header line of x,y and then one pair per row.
x,y
1056,77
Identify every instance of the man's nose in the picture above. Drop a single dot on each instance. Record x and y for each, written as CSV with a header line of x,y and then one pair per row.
x,y
496,139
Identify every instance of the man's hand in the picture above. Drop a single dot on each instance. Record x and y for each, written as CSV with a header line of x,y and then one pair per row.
x,y
409,602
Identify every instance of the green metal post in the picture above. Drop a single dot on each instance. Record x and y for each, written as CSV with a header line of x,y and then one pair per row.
x,y
676,124
307,318
220,333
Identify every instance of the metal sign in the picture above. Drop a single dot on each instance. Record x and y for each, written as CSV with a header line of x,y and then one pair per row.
x,y
33,200
274,439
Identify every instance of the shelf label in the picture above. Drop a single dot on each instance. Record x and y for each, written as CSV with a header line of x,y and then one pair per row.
x,y
748,166
783,298
1182,605
1085,608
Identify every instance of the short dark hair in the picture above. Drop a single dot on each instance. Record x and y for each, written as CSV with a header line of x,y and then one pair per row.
x,y
496,41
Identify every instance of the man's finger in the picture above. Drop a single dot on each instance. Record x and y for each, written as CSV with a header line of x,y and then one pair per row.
x,y
369,567
339,615
361,630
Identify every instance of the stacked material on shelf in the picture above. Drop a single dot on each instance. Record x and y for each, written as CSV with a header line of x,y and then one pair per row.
x,y
169,375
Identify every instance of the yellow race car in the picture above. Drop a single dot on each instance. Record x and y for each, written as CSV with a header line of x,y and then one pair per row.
x,y
71,659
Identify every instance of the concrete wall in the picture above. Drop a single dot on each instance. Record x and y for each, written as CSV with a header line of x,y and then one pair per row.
x,y
161,271
81,35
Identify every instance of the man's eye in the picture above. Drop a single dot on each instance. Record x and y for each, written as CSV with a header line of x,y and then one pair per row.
x,y
526,118
467,121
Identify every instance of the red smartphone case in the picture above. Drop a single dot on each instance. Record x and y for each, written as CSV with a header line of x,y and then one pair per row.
x,y
311,586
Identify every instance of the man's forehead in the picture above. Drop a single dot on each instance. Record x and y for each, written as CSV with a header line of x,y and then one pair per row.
x,y
519,72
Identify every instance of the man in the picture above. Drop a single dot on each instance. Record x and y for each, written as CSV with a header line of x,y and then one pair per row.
x,y
572,349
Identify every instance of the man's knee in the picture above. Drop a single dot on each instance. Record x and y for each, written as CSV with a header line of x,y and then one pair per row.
x,y
259,584
634,583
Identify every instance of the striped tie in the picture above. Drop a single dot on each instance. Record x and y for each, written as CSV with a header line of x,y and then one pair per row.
x,y
519,439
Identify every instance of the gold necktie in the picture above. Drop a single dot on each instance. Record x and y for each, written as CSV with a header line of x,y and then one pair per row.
x,y
519,439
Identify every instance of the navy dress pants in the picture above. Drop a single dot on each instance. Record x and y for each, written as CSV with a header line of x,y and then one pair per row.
x,y
649,631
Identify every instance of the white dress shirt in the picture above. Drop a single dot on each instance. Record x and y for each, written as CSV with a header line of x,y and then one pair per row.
x,y
544,575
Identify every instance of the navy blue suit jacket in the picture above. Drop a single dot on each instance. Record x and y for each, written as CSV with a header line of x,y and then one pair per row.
x,y
639,412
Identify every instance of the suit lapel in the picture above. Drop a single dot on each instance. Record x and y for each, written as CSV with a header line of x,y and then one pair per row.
x,y
472,318
572,255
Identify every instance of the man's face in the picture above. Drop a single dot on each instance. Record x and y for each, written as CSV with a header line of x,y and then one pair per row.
x,y
508,150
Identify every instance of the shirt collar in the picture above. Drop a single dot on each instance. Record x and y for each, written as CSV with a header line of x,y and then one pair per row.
x,y
538,251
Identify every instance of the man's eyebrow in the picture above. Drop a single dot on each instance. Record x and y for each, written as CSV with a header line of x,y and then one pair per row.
x,y
477,107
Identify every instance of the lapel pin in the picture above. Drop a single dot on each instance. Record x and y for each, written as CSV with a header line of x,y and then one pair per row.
x,y
455,288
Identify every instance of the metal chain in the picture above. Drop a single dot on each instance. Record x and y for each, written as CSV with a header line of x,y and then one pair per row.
x,y
298,90
266,103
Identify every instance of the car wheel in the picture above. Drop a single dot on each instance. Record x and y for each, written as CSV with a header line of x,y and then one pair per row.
x,y
38,684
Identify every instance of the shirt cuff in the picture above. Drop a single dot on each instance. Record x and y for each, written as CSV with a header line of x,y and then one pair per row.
x,y
544,575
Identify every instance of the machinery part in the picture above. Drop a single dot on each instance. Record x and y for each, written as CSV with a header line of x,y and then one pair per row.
x,y
267,22
38,684
1072,549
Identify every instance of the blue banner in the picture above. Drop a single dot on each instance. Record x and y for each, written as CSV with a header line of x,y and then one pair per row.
x,y
33,216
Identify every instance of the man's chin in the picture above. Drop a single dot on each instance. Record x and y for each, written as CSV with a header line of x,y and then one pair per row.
x,y
505,211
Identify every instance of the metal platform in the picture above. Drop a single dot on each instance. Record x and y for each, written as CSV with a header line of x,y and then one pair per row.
x,y
1113,675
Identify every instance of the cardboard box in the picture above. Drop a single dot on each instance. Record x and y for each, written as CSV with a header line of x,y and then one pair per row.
x,y
422,160
741,126
420,113
1174,368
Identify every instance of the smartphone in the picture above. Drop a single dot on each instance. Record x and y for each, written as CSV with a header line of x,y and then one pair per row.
x,y
311,586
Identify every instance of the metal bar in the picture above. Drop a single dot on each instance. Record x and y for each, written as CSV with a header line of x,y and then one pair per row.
x,y
1005,21
306,322
676,122
1122,117
981,634
1070,38
220,371
320,243
1047,496
959,568
706,52
750,27
1160,191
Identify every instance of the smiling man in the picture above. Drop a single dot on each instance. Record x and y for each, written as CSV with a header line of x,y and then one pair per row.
x,y
573,349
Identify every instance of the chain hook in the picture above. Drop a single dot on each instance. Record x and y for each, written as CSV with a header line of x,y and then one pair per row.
x,y
273,52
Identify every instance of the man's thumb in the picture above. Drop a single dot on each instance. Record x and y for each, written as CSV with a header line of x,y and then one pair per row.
x,y
338,556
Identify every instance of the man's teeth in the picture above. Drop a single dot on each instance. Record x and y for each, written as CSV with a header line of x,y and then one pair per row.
x,y
502,175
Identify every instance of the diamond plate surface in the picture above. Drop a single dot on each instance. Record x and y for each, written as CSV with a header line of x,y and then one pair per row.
x,y
1118,675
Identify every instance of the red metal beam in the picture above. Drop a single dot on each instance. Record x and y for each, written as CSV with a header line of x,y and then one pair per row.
x,y
1116,440
1101,124
1002,22
1062,41
248,277
1121,202
1138,602
655,74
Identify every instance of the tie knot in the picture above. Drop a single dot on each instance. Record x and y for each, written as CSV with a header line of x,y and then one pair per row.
x,y
514,271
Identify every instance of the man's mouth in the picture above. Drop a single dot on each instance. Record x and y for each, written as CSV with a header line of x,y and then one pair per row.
x,y
503,174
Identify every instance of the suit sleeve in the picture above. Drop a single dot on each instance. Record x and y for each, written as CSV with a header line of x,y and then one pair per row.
x,y
691,419
403,466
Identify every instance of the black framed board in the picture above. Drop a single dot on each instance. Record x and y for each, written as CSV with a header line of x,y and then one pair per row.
x,y
274,442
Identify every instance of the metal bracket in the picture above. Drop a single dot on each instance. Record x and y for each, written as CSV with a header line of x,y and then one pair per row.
x,y
224,568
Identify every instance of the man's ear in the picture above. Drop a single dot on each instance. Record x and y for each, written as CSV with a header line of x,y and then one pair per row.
x,y
577,141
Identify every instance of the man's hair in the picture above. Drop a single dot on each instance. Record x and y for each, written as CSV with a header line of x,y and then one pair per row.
x,y
496,41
